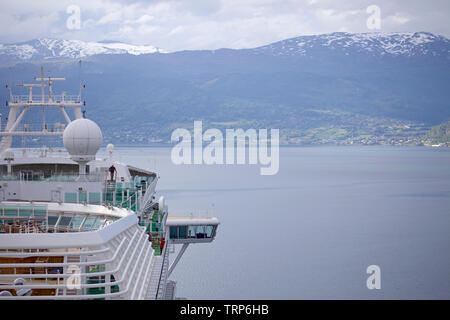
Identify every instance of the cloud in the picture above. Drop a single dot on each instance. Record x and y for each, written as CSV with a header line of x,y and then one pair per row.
x,y
400,18
144,19
211,24
112,17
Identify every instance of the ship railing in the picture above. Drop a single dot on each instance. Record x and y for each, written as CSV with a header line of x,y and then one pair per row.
x,y
36,128
20,226
27,217
127,267
160,292
148,196
126,194
58,98
132,202
47,152
130,195
42,177
23,218
13,253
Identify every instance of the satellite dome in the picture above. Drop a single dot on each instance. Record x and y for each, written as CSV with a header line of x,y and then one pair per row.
x,y
82,138
110,148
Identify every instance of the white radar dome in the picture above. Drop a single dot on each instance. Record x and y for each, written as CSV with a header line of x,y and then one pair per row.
x,y
110,148
82,138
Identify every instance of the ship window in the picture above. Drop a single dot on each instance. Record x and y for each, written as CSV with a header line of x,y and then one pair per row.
x,y
96,225
192,230
52,220
10,211
182,232
178,232
173,233
198,232
76,222
209,231
25,211
70,197
65,221
110,220
40,211
94,197
89,222
82,197
104,223
201,232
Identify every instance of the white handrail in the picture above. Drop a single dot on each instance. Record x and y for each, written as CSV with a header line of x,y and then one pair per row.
x,y
131,278
93,274
135,266
147,272
65,275
51,254
67,240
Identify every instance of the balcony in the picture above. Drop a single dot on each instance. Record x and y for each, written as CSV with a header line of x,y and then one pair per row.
x,y
37,99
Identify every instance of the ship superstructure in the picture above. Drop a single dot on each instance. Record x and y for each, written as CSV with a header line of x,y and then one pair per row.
x,y
75,226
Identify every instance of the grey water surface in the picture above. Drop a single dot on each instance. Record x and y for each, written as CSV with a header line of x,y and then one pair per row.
x,y
311,231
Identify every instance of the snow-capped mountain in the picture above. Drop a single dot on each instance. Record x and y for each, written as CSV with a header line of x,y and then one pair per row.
x,y
339,82
42,49
394,44
340,43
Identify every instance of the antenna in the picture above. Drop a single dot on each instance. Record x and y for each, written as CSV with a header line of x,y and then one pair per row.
x,y
10,84
80,79
50,93
50,83
43,98
30,89
42,85
10,94
19,106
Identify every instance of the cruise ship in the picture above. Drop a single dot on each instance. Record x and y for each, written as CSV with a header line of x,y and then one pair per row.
x,y
77,226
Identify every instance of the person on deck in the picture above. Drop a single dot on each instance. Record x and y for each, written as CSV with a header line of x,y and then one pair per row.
x,y
161,245
112,170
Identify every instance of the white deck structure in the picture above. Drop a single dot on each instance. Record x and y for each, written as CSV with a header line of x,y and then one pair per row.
x,y
69,229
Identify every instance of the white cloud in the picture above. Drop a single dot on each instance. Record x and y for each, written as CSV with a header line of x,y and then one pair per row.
x,y
400,18
112,17
145,19
210,24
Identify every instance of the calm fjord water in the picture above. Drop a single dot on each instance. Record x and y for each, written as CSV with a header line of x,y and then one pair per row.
x,y
312,230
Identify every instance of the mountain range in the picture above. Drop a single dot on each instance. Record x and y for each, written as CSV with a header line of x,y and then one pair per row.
x,y
330,88
45,49
375,44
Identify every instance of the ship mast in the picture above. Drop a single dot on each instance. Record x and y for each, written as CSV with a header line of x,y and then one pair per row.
x,y
23,103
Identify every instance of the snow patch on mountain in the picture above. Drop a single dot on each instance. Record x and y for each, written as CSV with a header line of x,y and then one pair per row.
x,y
56,48
407,44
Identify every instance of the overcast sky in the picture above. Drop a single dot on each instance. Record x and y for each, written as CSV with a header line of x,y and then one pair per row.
x,y
210,24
